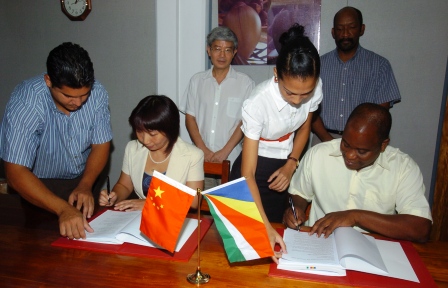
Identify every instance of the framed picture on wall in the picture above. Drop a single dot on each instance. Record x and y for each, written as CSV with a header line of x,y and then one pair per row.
x,y
258,25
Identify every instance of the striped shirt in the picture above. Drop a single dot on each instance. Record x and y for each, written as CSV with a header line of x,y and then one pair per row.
x,y
367,77
35,134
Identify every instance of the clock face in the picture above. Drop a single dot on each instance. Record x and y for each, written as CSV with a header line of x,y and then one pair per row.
x,y
76,10
75,7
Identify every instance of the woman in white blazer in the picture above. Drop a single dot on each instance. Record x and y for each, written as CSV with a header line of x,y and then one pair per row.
x,y
155,122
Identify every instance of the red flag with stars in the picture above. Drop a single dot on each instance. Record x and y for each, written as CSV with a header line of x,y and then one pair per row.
x,y
165,210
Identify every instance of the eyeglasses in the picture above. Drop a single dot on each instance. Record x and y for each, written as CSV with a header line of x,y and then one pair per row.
x,y
218,50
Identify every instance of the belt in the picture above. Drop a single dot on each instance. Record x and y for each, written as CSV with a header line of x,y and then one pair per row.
x,y
281,139
335,131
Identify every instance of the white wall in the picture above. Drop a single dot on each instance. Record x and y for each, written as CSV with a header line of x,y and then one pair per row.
x,y
119,36
413,36
121,39
181,44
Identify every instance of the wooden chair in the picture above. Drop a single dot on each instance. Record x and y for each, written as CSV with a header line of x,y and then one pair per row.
x,y
216,169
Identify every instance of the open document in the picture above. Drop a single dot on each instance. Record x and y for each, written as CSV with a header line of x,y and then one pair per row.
x,y
345,249
117,227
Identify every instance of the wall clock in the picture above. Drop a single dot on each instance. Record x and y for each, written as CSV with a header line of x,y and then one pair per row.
x,y
76,10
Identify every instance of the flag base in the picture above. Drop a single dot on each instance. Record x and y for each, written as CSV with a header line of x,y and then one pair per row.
x,y
198,277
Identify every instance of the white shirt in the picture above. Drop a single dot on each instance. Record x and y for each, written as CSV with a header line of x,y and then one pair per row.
x,y
217,107
393,184
267,115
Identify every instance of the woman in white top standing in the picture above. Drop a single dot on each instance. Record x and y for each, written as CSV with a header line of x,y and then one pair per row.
x,y
276,125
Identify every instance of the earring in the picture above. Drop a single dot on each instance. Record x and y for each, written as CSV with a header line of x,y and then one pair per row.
x,y
275,79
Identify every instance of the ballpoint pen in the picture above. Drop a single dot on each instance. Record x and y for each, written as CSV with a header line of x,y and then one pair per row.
x,y
293,211
108,189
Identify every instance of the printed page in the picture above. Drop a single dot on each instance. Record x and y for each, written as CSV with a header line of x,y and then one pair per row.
x,y
132,234
358,251
108,225
310,254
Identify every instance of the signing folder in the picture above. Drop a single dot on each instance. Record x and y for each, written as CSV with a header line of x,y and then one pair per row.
x,y
127,239
361,279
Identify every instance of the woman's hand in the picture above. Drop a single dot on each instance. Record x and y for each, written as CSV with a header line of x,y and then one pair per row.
x,y
280,179
107,200
274,237
130,205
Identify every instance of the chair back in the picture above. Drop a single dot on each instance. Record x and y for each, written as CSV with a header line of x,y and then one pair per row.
x,y
216,169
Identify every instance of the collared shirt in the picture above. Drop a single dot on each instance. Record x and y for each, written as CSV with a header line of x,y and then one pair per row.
x,y
267,115
393,184
35,134
367,77
217,107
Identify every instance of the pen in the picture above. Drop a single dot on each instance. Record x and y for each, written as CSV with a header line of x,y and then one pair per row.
x,y
293,211
108,189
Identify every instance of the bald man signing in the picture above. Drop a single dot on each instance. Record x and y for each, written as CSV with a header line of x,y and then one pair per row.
x,y
360,181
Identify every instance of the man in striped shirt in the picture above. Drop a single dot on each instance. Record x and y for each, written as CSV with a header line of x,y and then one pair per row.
x,y
55,138
351,75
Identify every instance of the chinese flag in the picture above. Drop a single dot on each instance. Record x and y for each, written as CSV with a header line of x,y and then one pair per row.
x,y
165,210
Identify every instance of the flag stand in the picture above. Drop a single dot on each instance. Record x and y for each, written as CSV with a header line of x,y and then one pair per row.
x,y
198,277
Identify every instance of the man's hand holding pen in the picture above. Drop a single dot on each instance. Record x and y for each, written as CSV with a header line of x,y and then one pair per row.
x,y
293,217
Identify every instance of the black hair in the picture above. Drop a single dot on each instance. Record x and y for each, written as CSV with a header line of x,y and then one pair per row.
x,y
157,112
70,65
374,114
298,57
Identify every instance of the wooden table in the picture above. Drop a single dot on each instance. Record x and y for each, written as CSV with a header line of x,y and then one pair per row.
x,y
28,260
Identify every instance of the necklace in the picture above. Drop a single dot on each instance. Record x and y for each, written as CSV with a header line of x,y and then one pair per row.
x,y
160,162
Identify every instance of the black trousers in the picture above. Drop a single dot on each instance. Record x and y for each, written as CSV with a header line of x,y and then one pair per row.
x,y
38,217
274,203
61,187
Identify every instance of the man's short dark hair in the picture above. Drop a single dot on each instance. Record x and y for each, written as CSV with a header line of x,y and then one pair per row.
x,y
375,114
358,13
70,65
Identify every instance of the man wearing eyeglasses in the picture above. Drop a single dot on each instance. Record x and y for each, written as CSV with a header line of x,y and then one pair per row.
x,y
213,99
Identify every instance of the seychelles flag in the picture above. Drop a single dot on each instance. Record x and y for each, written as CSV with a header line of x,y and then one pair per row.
x,y
238,221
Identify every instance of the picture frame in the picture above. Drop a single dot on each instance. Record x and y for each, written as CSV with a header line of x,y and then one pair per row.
x,y
258,25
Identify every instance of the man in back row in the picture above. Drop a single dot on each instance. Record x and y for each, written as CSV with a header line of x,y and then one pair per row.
x,y
351,75
361,181
213,99
55,138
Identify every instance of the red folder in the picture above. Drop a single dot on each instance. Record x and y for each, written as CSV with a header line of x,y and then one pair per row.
x,y
138,250
360,279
